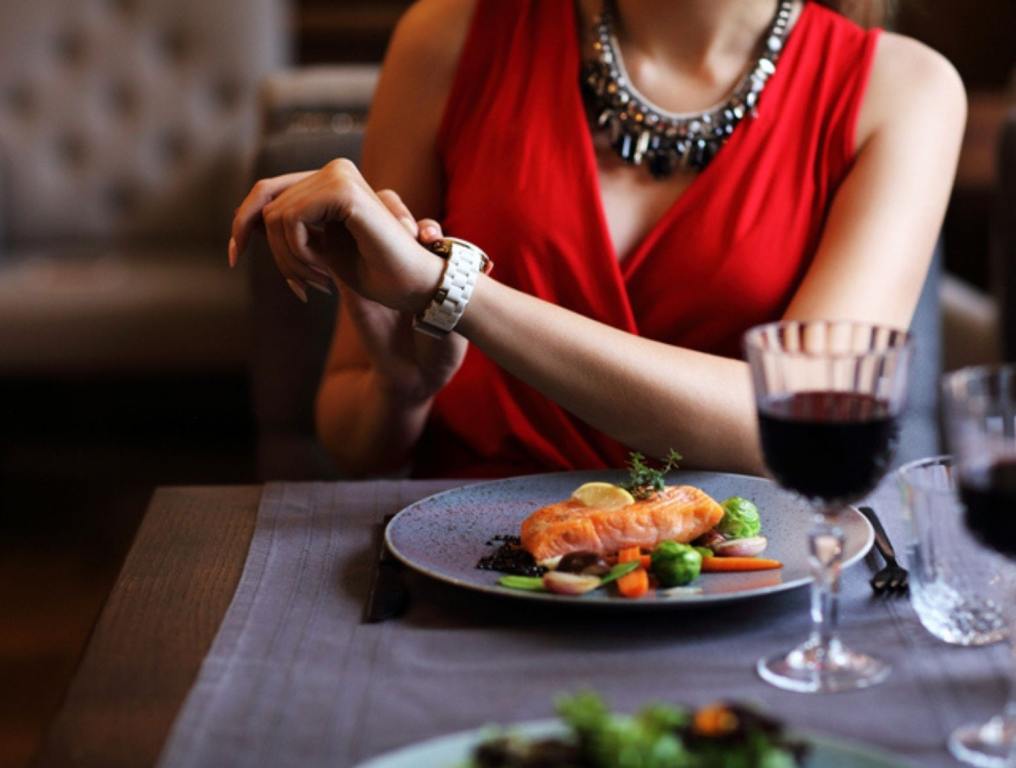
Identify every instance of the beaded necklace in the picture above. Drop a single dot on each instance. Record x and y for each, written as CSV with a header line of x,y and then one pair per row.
x,y
644,134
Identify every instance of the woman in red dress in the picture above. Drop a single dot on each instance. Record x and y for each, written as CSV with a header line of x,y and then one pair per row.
x,y
809,185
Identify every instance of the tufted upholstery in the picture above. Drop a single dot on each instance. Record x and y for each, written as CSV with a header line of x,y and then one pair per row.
x,y
126,131
129,118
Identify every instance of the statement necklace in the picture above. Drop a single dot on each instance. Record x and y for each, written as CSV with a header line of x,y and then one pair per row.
x,y
643,134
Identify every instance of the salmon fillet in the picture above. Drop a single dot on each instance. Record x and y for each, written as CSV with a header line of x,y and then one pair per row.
x,y
680,512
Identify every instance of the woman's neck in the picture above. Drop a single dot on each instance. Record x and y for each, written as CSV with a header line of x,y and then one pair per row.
x,y
692,34
686,55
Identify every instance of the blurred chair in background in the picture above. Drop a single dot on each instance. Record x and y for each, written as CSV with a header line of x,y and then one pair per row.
x,y
311,116
126,130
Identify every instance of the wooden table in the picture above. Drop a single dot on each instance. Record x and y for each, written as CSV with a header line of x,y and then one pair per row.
x,y
155,629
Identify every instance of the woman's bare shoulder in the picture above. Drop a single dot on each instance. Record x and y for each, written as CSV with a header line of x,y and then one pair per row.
x,y
416,80
911,86
430,35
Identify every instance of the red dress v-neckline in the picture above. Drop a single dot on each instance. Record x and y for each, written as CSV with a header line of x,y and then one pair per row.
x,y
523,183
624,267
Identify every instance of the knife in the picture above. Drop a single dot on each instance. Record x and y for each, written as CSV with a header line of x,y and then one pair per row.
x,y
388,597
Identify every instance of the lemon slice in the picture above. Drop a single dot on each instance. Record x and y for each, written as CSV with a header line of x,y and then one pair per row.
x,y
603,495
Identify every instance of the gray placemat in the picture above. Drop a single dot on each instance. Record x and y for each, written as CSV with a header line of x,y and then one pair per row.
x,y
295,679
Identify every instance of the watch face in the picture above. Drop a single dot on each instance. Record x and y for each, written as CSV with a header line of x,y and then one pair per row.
x,y
442,247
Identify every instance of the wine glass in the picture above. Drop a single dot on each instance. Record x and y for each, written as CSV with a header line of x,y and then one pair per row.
x,y
980,415
828,395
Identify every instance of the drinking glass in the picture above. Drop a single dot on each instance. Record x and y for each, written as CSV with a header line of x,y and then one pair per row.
x,y
828,394
954,587
980,415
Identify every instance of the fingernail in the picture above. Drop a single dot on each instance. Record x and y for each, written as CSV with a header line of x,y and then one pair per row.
x,y
319,286
408,224
298,289
232,252
429,232
321,271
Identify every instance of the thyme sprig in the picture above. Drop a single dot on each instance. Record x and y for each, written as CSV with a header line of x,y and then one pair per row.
x,y
645,481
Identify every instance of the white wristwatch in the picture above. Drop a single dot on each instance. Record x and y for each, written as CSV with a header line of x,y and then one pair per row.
x,y
463,264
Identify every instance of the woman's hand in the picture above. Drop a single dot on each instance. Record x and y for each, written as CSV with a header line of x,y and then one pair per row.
x,y
413,366
409,365
309,219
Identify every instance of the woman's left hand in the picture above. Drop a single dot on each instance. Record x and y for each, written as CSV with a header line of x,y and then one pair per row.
x,y
309,219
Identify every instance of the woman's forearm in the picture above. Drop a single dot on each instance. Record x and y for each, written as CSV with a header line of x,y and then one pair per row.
x,y
365,426
646,394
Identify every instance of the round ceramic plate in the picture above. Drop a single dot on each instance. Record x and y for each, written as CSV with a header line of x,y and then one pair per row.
x,y
444,535
453,751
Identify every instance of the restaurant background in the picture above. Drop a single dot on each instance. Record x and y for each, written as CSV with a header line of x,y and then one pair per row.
x,y
163,395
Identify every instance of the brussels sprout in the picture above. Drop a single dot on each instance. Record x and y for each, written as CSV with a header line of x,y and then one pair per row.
x,y
740,519
675,564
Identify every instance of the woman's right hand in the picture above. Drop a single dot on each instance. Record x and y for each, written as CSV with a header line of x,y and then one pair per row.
x,y
411,365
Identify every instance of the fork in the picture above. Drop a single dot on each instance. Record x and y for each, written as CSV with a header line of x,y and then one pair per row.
x,y
893,578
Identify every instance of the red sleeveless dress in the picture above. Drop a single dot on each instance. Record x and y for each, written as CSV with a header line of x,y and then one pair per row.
x,y
522,183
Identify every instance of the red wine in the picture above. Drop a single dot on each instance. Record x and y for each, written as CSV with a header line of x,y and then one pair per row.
x,y
989,496
833,446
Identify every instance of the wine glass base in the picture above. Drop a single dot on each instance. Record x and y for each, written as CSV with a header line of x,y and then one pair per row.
x,y
813,668
986,745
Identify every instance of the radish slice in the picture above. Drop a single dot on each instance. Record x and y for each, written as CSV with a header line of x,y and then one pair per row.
x,y
569,583
748,547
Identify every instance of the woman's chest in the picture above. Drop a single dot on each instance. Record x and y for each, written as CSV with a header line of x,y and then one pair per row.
x,y
686,256
633,201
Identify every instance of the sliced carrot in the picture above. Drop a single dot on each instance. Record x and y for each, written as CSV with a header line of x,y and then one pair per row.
x,y
634,584
721,564
646,560
628,554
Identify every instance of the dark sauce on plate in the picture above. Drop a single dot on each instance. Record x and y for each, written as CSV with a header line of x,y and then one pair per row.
x,y
509,557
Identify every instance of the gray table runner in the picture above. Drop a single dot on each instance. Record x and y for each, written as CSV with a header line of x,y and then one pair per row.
x,y
295,679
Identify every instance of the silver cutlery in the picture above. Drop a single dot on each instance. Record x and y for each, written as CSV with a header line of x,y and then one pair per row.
x,y
388,594
893,578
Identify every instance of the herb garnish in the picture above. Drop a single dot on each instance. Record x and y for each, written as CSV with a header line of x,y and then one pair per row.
x,y
645,482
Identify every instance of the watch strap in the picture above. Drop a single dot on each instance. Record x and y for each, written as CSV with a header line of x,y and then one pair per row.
x,y
463,264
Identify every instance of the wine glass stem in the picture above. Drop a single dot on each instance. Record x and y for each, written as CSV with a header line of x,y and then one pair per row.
x,y
1001,728
1007,724
826,557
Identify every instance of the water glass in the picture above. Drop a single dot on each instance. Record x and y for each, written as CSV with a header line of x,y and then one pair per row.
x,y
955,586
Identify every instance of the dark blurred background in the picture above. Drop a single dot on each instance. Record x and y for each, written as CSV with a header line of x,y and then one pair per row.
x,y
115,378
